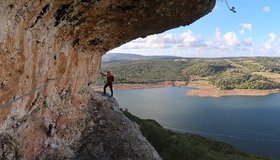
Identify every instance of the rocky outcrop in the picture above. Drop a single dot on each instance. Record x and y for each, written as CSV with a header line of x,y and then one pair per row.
x,y
51,51
100,131
111,135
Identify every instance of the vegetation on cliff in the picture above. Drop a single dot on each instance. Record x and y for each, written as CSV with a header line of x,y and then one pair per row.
x,y
180,146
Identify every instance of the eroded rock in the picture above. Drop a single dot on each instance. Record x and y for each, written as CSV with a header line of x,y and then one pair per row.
x,y
99,131
51,50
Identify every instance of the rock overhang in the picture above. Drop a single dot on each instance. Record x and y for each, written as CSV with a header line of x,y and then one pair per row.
x,y
50,49
50,45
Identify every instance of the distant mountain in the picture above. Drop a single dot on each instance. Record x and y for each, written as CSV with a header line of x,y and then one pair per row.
x,y
116,57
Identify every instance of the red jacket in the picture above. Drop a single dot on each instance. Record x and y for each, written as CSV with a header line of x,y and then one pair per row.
x,y
109,78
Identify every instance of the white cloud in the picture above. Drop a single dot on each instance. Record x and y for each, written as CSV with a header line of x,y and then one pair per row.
x,y
270,42
150,42
161,41
224,42
132,46
171,39
231,39
245,26
272,45
266,9
154,41
192,41
229,44
190,44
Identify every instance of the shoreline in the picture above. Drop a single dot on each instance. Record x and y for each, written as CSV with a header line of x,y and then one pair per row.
x,y
127,86
204,89
201,89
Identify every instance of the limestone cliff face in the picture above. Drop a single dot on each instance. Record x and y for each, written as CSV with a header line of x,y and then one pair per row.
x,y
51,50
100,131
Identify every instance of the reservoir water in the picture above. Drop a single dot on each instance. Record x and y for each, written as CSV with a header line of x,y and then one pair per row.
x,y
252,124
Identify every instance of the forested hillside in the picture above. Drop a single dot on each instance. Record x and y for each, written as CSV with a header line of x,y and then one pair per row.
x,y
240,79
181,146
148,71
207,68
225,73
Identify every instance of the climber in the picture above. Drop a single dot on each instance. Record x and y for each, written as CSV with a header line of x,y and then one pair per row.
x,y
110,80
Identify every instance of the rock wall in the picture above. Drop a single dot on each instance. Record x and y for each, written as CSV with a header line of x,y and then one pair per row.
x,y
99,131
51,50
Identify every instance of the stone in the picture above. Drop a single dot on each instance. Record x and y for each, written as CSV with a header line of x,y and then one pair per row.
x,y
51,50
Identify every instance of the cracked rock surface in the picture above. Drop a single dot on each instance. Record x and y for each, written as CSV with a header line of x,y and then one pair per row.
x,y
50,52
100,132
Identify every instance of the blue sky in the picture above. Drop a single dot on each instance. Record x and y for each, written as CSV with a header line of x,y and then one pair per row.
x,y
253,31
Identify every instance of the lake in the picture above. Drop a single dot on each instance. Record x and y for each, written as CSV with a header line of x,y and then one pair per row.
x,y
252,124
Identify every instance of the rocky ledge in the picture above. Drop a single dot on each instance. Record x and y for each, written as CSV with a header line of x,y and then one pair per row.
x,y
102,132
